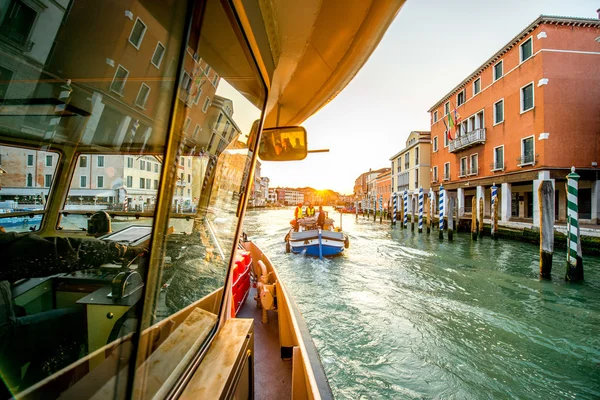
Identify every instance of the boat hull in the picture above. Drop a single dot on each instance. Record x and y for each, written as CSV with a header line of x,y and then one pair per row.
x,y
307,242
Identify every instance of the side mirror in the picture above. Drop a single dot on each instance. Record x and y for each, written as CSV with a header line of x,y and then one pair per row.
x,y
283,144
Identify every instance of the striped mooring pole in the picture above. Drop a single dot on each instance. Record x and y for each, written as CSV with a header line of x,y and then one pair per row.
x,y
574,259
405,209
380,208
420,210
431,210
494,229
442,211
395,208
374,208
64,97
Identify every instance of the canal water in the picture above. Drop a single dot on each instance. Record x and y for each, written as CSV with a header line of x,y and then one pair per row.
x,y
405,315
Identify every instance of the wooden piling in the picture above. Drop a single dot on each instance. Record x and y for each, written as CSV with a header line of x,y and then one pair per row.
x,y
546,196
481,217
474,218
450,218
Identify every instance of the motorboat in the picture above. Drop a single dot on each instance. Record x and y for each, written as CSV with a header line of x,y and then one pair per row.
x,y
307,238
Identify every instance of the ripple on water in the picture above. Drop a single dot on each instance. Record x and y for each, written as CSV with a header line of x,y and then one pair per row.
x,y
403,315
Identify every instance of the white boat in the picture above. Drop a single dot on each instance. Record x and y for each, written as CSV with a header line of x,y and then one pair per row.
x,y
313,241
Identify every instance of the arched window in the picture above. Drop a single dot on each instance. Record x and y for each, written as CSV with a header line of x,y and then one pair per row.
x,y
29,180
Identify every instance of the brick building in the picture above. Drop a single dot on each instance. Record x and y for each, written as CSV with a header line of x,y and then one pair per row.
x,y
530,112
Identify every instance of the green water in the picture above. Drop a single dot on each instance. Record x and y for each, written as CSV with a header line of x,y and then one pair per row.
x,y
405,315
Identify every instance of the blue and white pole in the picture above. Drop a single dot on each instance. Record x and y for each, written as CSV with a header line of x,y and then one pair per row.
x,y
380,208
395,202
405,209
494,211
442,195
420,210
431,210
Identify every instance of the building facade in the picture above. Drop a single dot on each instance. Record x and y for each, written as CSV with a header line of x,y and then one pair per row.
x,y
528,113
383,189
411,167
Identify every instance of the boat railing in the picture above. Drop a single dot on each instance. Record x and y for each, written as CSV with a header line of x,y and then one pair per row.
x,y
293,333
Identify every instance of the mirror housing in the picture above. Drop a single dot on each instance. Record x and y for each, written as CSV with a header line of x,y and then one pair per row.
x,y
286,143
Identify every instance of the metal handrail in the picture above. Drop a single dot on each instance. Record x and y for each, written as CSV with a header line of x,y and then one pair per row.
x,y
470,138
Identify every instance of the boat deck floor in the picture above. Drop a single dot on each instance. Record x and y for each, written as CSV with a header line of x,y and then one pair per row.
x,y
272,375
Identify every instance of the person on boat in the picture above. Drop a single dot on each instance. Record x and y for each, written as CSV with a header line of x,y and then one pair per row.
x,y
298,214
310,210
58,334
321,218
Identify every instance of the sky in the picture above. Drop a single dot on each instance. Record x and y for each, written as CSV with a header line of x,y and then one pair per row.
x,y
430,48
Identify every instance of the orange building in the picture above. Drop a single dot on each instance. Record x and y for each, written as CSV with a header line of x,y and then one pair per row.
x,y
383,188
529,113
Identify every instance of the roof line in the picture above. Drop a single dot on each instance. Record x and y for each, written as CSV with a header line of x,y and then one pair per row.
x,y
542,19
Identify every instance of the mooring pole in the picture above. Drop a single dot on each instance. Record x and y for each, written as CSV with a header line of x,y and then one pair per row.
x,y
428,215
481,217
405,209
431,210
420,210
450,218
356,209
395,205
412,214
546,196
374,208
494,227
442,194
474,218
380,208
574,257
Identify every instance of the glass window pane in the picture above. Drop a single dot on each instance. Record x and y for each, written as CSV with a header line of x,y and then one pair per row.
x,y
25,185
526,50
76,105
158,55
527,95
137,33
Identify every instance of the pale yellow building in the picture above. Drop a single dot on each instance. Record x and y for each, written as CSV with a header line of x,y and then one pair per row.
x,y
411,166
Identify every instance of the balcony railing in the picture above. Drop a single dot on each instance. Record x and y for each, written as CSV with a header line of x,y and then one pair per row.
x,y
497,166
526,158
406,165
472,138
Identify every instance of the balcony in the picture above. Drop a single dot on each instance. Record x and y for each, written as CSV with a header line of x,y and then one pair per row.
x,y
527,158
472,138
